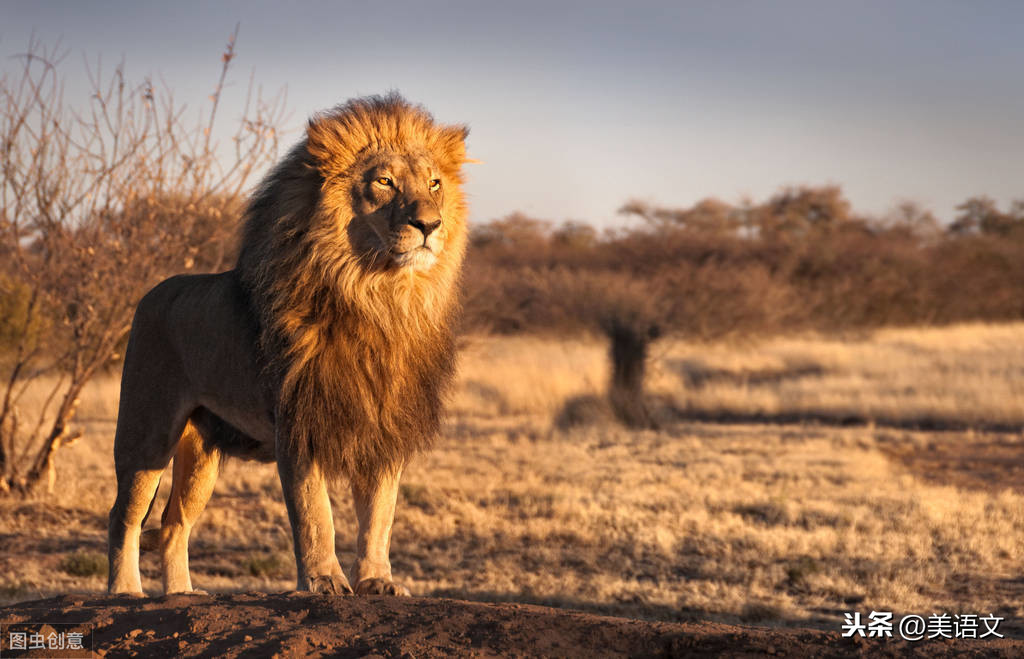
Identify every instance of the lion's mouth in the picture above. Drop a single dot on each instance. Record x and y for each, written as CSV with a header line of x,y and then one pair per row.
x,y
417,258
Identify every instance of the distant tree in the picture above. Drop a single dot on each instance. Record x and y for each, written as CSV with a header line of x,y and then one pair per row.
x,y
574,235
798,211
631,313
709,215
981,215
793,213
515,230
912,221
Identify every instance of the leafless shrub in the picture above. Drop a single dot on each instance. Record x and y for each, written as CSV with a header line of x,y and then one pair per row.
x,y
98,201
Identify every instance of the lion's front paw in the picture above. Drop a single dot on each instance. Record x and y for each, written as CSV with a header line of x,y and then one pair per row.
x,y
378,586
135,594
329,584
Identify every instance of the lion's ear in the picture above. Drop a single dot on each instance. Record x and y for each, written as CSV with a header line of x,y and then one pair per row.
x,y
451,144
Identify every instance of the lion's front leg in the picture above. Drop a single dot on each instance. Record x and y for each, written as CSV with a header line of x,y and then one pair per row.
x,y
375,507
309,510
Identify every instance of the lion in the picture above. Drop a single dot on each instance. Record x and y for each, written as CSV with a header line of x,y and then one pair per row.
x,y
327,349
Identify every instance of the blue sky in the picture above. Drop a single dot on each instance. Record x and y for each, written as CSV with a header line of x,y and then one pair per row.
x,y
576,107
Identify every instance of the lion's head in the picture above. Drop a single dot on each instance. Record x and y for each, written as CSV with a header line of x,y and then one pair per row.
x,y
370,203
395,177
350,253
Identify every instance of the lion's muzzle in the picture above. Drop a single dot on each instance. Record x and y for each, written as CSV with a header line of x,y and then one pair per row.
x,y
420,236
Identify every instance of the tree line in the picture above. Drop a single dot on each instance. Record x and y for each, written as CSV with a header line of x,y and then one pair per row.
x,y
800,260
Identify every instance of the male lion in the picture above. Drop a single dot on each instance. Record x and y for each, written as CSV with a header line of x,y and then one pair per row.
x,y
327,349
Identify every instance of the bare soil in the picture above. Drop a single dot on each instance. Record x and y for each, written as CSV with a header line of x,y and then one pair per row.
x,y
305,625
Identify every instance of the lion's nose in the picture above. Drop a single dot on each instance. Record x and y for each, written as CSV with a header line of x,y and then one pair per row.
x,y
427,227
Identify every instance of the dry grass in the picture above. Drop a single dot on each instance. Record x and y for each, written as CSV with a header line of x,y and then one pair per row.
x,y
965,375
968,374
768,523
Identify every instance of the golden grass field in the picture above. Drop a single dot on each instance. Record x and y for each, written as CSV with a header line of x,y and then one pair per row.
x,y
763,518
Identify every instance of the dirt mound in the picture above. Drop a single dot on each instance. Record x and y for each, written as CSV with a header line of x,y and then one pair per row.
x,y
305,625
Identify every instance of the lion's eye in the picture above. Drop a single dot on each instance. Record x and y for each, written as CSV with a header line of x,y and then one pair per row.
x,y
384,180
435,184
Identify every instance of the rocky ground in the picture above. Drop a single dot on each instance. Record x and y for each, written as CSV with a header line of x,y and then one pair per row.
x,y
304,625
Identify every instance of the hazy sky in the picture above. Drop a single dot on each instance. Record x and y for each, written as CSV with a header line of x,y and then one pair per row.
x,y
576,107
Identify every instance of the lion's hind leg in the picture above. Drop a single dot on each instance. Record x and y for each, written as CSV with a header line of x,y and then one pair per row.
x,y
196,466
135,492
139,468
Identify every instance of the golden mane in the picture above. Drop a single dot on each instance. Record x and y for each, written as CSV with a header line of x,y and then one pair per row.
x,y
360,352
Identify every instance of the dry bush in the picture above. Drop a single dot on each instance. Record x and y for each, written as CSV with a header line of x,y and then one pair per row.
x,y
99,200
628,312
800,260
85,564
